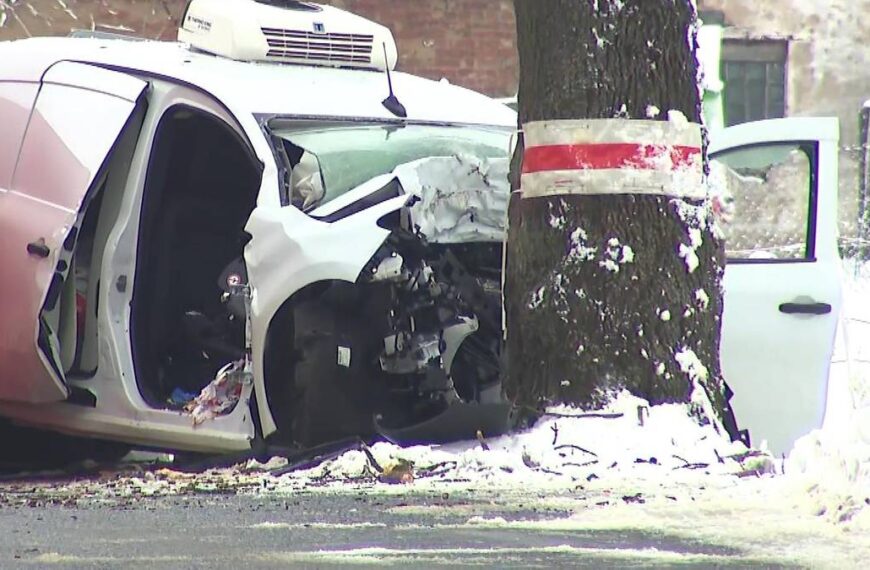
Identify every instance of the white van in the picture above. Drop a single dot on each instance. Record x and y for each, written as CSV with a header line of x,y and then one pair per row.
x,y
264,233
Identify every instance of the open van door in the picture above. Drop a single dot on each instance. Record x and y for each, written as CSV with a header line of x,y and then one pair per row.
x,y
77,118
782,280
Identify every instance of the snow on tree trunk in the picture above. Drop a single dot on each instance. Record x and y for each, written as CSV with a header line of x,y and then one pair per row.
x,y
617,290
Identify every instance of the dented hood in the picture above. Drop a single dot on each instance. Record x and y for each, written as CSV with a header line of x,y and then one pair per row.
x,y
461,198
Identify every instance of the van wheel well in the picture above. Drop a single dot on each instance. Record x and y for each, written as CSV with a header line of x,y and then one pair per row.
x,y
322,376
279,362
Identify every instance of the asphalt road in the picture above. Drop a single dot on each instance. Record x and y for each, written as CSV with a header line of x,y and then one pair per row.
x,y
325,531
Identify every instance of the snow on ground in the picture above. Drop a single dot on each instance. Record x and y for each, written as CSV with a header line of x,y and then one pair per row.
x,y
831,466
657,447
629,450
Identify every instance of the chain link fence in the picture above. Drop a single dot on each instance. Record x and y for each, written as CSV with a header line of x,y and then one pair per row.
x,y
851,359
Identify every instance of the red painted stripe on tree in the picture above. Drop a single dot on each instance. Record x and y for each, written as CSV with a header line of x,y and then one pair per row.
x,y
612,156
597,156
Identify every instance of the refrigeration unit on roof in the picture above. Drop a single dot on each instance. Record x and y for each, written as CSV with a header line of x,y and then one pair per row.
x,y
287,31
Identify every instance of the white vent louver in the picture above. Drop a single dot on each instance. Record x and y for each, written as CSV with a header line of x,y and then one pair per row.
x,y
312,46
287,31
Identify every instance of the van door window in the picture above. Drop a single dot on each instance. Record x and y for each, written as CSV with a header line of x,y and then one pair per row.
x,y
764,195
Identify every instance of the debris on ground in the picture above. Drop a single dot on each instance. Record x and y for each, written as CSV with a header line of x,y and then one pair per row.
x,y
399,471
273,464
670,456
482,440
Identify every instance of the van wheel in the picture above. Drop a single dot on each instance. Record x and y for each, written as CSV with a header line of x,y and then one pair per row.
x,y
322,379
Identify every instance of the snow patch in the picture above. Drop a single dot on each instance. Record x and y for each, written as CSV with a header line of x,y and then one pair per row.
x,y
678,119
689,251
625,440
269,525
702,298
579,250
691,365
537,298
833,470
690,257
556,222
615,255
698,374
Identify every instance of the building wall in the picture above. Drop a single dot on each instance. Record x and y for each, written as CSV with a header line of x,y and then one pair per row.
x,y
827,68
469,42
147,18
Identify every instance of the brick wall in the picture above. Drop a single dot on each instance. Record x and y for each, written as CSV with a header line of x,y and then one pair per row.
x,y
469,42
147,18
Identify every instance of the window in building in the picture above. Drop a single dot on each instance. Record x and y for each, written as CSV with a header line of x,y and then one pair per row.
x,y
754,74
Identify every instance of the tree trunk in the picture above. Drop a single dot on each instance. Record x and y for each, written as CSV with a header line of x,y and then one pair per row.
x,y
634,309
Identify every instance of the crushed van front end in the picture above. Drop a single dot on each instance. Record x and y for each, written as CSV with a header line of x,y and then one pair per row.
x,y
381,287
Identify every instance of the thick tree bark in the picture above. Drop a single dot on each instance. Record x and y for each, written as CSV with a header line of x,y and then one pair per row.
x,y
576,329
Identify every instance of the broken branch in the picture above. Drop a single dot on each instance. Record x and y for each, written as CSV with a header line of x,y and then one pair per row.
x,y
483,444
607,416
586,464
577,447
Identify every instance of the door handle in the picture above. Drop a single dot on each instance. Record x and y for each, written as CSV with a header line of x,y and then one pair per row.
x,y
805,308
38,248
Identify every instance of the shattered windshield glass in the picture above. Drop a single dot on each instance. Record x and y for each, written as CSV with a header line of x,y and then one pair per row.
x,y
326,162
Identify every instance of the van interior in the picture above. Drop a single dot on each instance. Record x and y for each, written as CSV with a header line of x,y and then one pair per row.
x,y
201,187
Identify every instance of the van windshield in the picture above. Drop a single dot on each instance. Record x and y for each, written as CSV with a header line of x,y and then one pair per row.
x,y
325,162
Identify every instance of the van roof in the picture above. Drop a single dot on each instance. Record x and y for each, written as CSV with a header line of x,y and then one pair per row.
x,y
266,88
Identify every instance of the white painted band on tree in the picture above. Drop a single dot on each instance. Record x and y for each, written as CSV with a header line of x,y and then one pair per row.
x,y
674,132
612,156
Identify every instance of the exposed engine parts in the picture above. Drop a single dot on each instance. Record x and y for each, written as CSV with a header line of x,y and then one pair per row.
x,y
437,307
390,268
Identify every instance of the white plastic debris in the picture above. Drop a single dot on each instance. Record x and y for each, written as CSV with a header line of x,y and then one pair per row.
x,y
221,395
